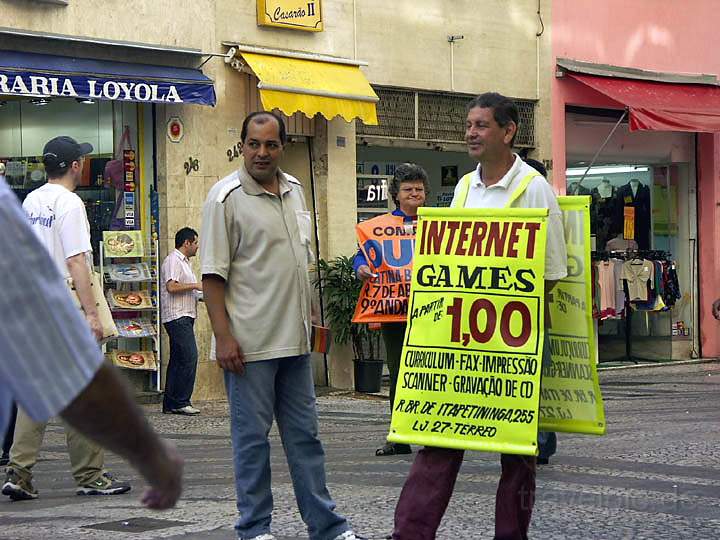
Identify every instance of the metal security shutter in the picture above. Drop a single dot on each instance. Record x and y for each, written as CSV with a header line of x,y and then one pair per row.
x,y
435,117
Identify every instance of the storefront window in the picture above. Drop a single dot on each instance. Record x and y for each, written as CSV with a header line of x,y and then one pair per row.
x,y
444,169
620,204
634,226
372,195
26,124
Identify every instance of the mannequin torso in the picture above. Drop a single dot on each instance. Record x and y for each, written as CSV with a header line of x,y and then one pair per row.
x,y
605,189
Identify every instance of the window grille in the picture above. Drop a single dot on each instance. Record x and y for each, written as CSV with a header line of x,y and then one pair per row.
x,y
396,114
526,134
440,116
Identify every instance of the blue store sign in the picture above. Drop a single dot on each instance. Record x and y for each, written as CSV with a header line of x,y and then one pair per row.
x,y
39,75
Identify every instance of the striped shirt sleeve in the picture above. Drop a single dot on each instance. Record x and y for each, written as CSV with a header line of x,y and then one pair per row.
x,y
48,353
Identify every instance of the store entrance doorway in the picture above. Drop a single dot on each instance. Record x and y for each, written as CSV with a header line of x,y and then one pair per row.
x,y
643,226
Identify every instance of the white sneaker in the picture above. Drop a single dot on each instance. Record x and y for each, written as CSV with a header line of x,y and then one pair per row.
x,y
263,537
188,410
348,535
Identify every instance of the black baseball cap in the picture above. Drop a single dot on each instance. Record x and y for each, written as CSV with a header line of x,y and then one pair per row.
x,y
60,152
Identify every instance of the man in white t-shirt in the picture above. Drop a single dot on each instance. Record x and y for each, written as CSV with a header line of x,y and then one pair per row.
x,y
58,218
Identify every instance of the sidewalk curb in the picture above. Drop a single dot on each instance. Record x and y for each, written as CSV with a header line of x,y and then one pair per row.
x,y
661,364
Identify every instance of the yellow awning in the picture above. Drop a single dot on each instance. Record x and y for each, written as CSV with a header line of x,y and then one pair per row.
x,y
313,86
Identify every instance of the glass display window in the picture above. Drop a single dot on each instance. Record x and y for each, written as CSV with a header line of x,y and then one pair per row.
x,y
621,204
26,124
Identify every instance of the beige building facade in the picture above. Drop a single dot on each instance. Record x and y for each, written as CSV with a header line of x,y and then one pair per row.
x,y
423,60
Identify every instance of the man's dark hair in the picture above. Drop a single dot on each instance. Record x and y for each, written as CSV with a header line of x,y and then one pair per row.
x,y
186,233
407,172
535,164
260,117
504,109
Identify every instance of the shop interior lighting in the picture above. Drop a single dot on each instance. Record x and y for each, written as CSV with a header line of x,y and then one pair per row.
x,y
3,102
605,170
85,101
40,102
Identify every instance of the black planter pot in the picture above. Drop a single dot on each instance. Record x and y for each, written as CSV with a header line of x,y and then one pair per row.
x,y
368,375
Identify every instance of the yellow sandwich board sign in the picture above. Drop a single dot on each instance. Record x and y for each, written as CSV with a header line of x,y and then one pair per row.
x,y
472,358
472,374
570,398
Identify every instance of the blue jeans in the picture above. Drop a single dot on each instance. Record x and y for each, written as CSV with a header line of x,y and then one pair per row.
x,y
283,386
182,366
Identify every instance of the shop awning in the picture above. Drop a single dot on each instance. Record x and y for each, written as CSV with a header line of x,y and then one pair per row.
x,y
313,86
661,106
44,75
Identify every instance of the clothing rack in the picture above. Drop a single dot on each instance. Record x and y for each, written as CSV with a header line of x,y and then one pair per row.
x,y
627,255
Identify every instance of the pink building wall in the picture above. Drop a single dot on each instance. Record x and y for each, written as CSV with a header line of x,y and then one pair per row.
x,y
659,35
654,35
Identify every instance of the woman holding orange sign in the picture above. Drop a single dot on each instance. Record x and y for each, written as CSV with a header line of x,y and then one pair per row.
x,y
383,263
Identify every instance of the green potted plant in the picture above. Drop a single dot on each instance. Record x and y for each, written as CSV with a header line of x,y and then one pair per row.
x,y
340,289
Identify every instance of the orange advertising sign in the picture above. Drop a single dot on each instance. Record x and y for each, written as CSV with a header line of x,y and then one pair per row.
x,y
388,243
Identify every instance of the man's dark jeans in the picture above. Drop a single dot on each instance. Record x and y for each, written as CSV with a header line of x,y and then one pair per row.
x,y
180,378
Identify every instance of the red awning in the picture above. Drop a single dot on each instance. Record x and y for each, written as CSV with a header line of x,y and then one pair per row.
x,y
659,106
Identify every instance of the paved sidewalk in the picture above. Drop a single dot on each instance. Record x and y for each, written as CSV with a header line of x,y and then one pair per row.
x,y
655,475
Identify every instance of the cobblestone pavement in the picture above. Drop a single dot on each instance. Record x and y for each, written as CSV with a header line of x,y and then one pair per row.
x,y
655,475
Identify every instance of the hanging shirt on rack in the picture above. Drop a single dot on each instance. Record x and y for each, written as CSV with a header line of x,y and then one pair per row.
x,y
658,281
637,273
619,290
671,285
606,279
595,290
602,212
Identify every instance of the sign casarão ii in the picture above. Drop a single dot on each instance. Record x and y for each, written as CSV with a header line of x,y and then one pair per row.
x,y
293,14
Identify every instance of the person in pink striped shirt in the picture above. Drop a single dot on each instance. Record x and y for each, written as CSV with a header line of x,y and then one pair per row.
x,y
179,293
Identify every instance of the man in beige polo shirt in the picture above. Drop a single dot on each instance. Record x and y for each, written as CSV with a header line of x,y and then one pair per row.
x,y
254,264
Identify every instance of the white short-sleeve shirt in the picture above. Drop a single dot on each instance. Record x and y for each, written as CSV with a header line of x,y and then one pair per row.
x,y
58,218
538,194
176,267
49,354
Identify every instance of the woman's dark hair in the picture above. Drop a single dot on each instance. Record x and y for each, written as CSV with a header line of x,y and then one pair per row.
x,y
260,117
407,172
504,109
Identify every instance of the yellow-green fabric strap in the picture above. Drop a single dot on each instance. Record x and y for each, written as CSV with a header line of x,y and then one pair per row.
x,y
461,198
524,183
